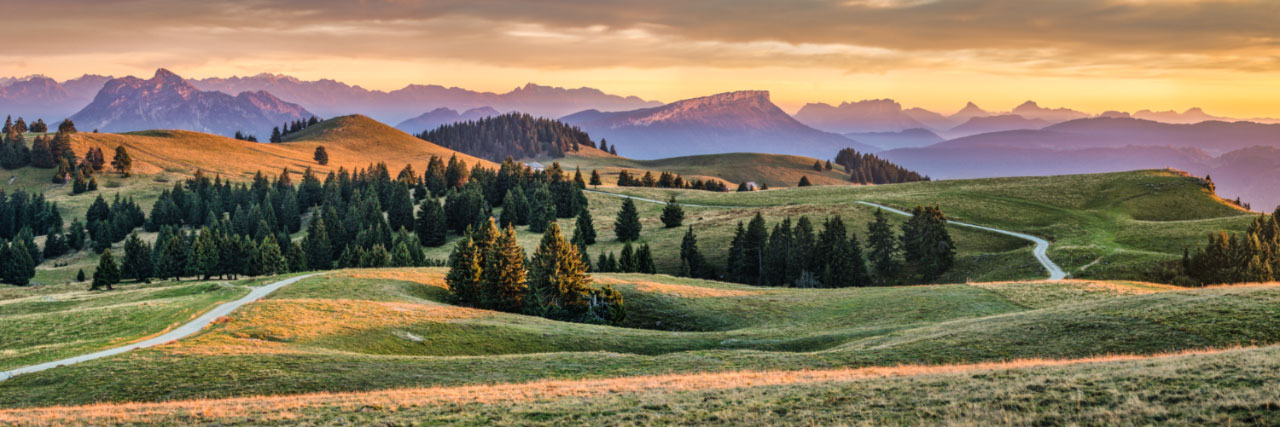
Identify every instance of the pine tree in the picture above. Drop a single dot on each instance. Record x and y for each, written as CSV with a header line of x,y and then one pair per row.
x,y
672,214
627,259
434,177
504,277
431,226
925,243
737,253
753,250
777,269
595,179
80,275
644,260
692,264
173,259
883,245
585,229
317,246
17,267
559,285
107,274
627,226
455,174
121,162
321,155
206,255
400,209
271,259
137,263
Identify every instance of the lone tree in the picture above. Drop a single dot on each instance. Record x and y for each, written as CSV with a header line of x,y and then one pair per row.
x,y
107,274
121,162
673,214
595,179
627,227
322,156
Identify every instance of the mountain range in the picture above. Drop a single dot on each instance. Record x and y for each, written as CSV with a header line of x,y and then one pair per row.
x,y
332,98
38,96
167,101
443,116
744,121
1242,157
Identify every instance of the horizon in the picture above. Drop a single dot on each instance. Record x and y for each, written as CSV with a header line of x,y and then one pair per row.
x,y
1092,56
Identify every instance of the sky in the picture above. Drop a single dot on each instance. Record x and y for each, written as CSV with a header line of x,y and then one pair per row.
x,y
1091,55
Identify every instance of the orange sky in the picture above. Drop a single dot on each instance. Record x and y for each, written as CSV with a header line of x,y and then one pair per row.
x,y
1092,55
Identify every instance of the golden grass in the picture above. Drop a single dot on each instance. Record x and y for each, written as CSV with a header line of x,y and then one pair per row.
x,y
351,141
685,291
299,320
280,408
1120,288
424,276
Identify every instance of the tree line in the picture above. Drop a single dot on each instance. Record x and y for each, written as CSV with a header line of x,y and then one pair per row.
x,y
278,133
515,135
800,254
867,168
1252,256
663,180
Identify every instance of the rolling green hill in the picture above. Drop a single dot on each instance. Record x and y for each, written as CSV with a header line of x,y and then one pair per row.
x,y
383,329
774,170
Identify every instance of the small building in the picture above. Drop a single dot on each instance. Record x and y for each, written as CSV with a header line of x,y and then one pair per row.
x,y
751,186
535,166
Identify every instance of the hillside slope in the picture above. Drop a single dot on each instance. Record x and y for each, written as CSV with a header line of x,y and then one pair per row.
x,y
351,141
774,170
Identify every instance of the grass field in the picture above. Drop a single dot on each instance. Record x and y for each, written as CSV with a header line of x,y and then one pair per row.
x,y
774,170
1119,225
366,330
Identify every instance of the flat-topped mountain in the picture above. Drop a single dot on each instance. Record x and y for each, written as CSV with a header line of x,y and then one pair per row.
x,y
167,101
743,121
875,115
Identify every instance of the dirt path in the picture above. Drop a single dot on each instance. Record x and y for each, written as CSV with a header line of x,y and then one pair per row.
x,y
176,334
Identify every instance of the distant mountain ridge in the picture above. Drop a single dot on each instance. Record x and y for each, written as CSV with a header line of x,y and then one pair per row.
x,y
167,101
444,116
332,98
37,96
743,121
874,115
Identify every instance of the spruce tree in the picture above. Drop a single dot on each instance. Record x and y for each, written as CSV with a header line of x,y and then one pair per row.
x,y
317,246
559,286
644,260
107,274
80,275
737,253
692,264
431,227
777,268
672,214
925,243
271,259
753,250
627,226
585,229
400,209
595,179
883,245
206,255
137,263
173,260
504,277
627,259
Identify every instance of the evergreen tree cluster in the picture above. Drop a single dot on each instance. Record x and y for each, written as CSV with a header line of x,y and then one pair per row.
x,y
32,211
1253,256
801,255
516,135
245,137
488,269
13,146
278,133
867,168
629,260
109,223
666,180
18,259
